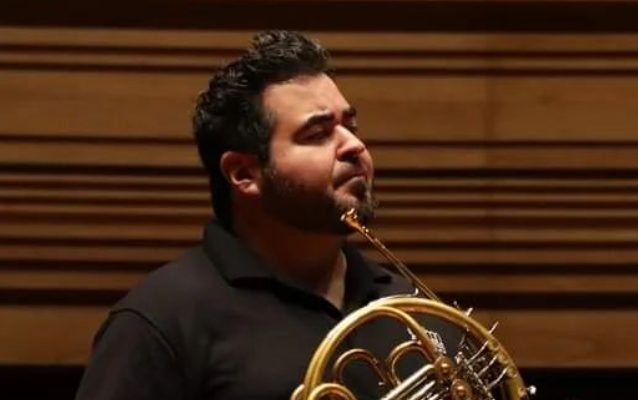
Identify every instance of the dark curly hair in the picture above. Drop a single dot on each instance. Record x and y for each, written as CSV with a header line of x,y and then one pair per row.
x,y
230,115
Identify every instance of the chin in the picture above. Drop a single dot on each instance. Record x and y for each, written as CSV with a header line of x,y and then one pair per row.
x,y
349,200
357,188
365,207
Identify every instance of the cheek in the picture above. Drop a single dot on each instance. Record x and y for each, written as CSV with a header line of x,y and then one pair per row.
x,y
312,167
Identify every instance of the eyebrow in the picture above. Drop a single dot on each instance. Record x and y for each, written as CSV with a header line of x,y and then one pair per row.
x,y
324,117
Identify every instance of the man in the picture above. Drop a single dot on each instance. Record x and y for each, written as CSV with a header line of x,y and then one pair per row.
x,y
240,316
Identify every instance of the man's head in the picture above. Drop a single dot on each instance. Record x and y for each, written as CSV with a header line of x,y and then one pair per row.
x,y
274,126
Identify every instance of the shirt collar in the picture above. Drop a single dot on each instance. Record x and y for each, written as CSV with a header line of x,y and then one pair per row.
x,y
237,262
363,279
234,260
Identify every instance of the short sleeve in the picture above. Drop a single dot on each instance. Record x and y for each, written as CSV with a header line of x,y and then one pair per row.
x,y
131,360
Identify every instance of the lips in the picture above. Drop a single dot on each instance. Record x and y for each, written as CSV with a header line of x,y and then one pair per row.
x,y
352,174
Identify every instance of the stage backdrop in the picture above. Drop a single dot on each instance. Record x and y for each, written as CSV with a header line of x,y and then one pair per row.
x,y
505,137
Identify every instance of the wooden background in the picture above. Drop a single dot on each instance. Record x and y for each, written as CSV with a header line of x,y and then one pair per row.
x,y
505,135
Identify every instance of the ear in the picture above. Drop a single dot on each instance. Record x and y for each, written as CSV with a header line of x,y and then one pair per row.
x,y
242,171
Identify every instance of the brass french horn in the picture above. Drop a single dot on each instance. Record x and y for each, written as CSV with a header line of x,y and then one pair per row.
x,y
481,370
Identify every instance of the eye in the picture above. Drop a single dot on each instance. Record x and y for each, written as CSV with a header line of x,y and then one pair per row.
x,y
318,135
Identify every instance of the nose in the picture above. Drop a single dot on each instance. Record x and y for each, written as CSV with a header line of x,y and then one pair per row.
x,y
350,146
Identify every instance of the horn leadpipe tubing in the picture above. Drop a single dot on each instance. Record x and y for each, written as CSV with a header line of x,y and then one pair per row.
x,y
352,220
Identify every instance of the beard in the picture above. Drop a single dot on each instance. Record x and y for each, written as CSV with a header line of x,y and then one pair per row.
x,y
297,205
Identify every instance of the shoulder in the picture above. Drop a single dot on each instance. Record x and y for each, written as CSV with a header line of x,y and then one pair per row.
x,y
180,303
175,297
180,281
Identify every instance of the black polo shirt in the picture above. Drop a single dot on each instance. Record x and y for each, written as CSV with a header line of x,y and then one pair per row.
x,y
218,323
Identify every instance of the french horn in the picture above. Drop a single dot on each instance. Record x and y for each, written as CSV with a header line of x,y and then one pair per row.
x,y
481,369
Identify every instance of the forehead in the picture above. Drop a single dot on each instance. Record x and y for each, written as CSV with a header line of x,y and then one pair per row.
x,y
299,98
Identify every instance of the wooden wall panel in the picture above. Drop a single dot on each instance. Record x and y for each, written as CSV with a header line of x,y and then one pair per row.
x,y
48,334
528,332
507,173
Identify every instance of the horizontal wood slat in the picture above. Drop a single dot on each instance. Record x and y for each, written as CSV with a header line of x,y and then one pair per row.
x,y
577,337
452,280
387,157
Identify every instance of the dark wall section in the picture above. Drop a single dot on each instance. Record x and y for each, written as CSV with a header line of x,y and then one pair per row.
x,y
60,383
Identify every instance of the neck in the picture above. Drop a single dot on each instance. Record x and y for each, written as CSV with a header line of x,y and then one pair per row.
x,y
312,260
